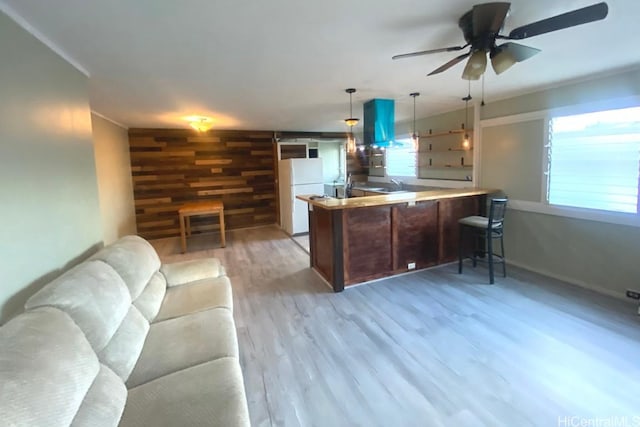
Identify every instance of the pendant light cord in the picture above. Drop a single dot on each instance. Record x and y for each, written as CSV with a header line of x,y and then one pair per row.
x,y
350,105
466,108
414,116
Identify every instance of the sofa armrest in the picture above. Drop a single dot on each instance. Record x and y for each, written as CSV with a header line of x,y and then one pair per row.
x,y
183,272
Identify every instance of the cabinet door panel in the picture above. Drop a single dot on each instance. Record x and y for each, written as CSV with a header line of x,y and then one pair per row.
x,y
415,235
367,234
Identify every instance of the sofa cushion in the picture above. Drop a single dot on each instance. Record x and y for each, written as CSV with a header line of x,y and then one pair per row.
x,y
150,299
183,342
210,394
180,273
124,348
134,259
95,297
104,402
46,368
197,296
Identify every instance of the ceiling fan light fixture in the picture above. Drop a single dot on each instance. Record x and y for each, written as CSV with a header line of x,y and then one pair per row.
x,y
476,65
502,60
351,122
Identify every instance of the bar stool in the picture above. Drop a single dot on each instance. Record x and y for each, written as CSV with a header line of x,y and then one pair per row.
x,y
485,230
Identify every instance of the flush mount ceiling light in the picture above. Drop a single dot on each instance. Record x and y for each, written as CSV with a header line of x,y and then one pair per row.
x,y
200,123
351,121
414,136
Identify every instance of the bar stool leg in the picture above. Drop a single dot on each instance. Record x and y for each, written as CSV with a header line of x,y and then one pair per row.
x,y
183,238
475,248
504,262
460,250
490,255
223,241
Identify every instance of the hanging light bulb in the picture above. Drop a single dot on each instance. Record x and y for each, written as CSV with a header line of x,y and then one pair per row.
x,y
351,143
414,136
351,122
466,143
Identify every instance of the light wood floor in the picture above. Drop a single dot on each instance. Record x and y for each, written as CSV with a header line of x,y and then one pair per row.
x,y
432,348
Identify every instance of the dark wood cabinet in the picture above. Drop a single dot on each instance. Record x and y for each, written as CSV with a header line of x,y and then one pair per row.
x,y
357,240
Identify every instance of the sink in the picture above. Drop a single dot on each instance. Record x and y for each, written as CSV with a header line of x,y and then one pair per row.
x,y
365,188
390,191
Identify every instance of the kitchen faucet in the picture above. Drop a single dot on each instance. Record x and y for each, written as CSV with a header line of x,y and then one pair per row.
x,y
397,182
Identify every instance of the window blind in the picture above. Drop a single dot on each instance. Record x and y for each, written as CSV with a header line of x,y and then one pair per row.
x,y
594,160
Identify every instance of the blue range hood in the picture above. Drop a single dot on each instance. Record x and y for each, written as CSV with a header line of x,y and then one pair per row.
x,y
379,126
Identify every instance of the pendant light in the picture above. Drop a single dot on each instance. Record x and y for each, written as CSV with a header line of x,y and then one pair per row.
x,y
466,144
414,136
351,122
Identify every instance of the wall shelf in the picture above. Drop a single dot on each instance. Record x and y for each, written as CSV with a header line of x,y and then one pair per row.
x,y
442,150
442,155
445,133
426,166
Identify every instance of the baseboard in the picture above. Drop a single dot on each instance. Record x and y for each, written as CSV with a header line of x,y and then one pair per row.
x,y
572,281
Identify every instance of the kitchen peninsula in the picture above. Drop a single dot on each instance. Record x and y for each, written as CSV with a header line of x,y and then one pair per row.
x,y
360,239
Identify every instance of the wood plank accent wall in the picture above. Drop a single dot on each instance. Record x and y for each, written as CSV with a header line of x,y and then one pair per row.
x,y
174,166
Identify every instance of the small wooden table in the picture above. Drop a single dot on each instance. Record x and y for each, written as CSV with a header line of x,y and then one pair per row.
x,y
186,211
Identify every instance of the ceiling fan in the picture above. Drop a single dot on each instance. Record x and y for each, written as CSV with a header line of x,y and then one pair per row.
x,y
481,28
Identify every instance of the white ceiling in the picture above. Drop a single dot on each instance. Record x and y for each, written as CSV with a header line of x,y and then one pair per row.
x,y
284,64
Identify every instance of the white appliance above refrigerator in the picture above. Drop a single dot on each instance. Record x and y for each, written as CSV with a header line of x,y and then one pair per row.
x,y
295,177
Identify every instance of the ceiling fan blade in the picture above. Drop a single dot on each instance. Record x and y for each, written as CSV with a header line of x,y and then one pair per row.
x,y
449,64
489,17
506,55
427,52
585,15
476,65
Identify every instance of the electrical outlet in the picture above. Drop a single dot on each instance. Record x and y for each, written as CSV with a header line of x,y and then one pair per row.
x,y
633,294
412,266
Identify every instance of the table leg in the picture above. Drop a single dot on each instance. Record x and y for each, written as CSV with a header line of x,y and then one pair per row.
x,y
188,219
183,238
223,241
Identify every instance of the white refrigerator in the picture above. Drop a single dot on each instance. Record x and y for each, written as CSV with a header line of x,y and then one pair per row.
x,y
297,176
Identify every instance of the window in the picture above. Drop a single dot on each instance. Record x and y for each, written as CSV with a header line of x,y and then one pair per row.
x,y
594,160
401,159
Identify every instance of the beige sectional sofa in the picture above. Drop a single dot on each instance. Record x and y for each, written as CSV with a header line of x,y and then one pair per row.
x,y
123,340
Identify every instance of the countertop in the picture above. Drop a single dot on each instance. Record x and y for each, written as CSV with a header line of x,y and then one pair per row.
x,y
392,199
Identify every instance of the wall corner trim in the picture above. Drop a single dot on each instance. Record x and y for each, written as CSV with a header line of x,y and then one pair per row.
x,y
11,13
102,116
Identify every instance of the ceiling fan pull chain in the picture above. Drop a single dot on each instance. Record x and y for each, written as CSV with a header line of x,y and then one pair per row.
x,y
482,101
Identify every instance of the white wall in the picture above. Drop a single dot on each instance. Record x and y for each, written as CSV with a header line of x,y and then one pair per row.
x,y
593,254
115,187
50,212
